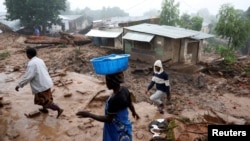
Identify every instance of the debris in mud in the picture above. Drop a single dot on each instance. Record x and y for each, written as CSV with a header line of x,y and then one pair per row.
x,y
7,102
92,98
227,119
160,124
65,38
85,126
32,114
158,139
68,95
162,129
139,135
12,133
189,92
62,82
73,131
219,67
81,92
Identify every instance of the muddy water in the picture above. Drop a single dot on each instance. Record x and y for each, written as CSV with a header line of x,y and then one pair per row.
x,y
45,127
14,125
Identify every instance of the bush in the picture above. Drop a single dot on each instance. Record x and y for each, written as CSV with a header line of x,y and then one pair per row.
x,y
208,49
4,55
247,70
62,46
226,53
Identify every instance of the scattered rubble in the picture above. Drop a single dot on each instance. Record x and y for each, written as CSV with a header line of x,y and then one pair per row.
x,y
204,89
65,38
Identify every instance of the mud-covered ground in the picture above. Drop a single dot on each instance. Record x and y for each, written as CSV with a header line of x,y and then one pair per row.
x,y
195,95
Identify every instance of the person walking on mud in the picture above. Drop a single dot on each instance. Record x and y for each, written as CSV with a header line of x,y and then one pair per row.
x,y
160,79
40,82
117,126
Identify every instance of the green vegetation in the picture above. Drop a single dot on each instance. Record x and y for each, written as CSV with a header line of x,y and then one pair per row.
x,y
170,16
208,49
170,132
226,53
232,25
170,13
32,13
4,55
62,46
247,70
194,23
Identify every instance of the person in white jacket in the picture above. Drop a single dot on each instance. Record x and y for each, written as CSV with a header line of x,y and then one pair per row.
x,y
161,81
40,82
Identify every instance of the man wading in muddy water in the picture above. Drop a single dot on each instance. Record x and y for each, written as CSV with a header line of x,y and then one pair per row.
x,y
40,82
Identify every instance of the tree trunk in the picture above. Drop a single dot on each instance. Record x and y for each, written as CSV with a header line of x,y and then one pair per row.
x,y
229,41
43,29
248,47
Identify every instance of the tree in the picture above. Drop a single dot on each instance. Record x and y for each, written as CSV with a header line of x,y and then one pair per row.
x,y
211,26
232,25
196,23
170,13
67,10
246,50
185,21
32,13
247,13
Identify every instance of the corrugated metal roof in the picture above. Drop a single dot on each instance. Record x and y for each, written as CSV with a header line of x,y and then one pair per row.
x,y
202,35
101,33
198,35
14,25
138,36
168,31
69,17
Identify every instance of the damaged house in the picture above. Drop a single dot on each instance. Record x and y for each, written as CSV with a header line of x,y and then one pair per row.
x,y
108,32
73,23
111,38
150,42
8,25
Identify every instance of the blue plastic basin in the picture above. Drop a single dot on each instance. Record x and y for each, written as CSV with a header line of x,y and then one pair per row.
x,y
110,64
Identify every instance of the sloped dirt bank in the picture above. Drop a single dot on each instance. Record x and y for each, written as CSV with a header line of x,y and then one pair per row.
x,y
198,98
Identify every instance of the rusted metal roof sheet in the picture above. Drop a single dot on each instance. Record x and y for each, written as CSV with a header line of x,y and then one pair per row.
x,y
168,31
138,36
102,33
